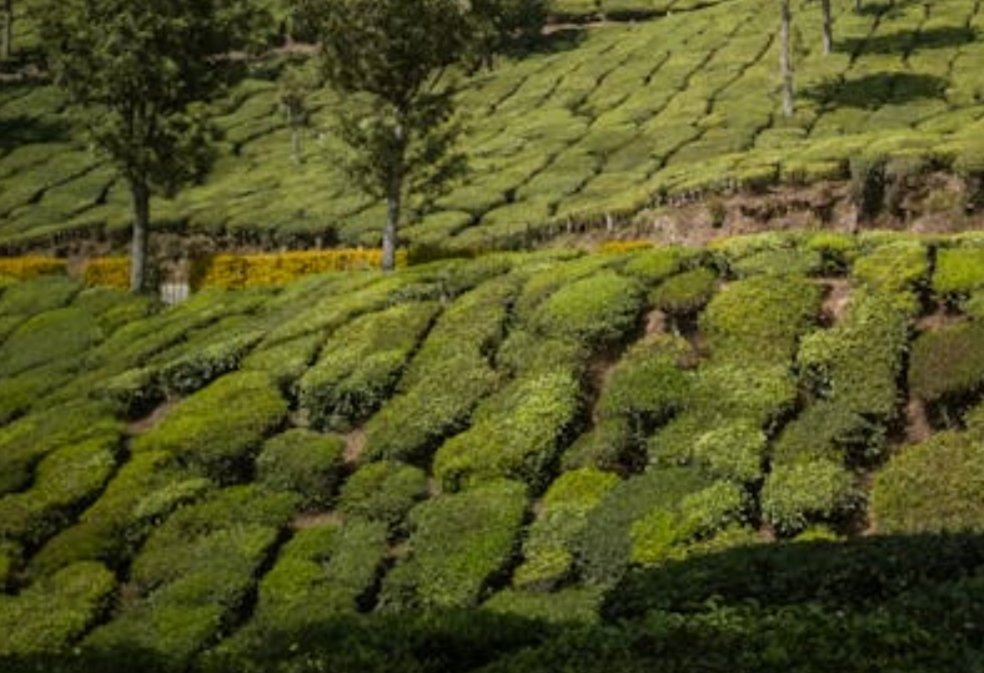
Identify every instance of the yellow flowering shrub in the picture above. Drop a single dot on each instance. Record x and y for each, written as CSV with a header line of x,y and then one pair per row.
x,y
618,247
107,272
24,268
233,271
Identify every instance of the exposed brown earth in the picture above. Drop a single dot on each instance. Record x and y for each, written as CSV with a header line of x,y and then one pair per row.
x,y
152,420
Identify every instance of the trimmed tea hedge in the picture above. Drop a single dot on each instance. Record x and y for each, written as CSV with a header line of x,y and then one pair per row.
x,y
304,462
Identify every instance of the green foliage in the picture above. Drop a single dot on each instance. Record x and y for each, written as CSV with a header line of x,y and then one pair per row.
x,y
36,296
63,333
893,267
47,616
948,363
798,492
361,363
959,272
189,373
517,433
548,556
597,311
931,487
447,378
219,428
304,462
457,545
656,265
574,605
383,492
685,293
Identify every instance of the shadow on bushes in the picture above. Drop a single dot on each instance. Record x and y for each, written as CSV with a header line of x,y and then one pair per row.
x,y
872,91
913,603
904,41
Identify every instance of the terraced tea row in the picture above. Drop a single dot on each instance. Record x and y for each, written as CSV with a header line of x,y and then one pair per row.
x,y
514,432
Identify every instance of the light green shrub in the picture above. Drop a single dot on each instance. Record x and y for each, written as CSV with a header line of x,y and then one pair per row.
x,y
893,267
959,272
58,334
799,493
384,491
685,293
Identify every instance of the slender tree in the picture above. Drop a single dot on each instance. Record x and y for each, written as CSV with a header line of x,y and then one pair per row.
x,y
786,57
296,84
389,58
828,27
139,74
7,29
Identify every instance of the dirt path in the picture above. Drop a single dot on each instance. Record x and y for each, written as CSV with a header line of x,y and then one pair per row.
x,y
152,420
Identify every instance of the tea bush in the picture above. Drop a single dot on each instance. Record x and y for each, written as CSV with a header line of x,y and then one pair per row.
x,y
383,492
304,462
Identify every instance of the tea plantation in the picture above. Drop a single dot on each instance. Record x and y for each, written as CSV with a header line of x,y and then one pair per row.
x,y
598,123
762,455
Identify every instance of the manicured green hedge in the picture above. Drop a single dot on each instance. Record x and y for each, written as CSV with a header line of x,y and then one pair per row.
x,y
47,616
517,433
65,481
304,462
656,265
189,373
685,293
384,492
893,267
55,335
548,556
447,379
799,492
932,487
287,361
948,363
598,311
361,363
959,272
32,297
458,544
574,605
220,427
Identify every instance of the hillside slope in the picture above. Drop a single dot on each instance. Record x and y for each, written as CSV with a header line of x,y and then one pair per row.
x,y
604,122
514,432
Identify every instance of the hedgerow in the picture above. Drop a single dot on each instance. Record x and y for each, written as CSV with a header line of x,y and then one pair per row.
x,y
931,487
58,334
384,492
361,363
893,267
685,293
458,543
806,490
48,616
948,363
548,556
219,428
517,433
654,266
573,605
36,296
304,462
959,272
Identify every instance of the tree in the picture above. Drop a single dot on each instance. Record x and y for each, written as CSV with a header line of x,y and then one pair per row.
x,y
296,84
828,27
139,74
390,58
786,57
499,24
7,30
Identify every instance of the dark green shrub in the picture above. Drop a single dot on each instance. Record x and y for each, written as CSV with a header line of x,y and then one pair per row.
x,y
604,548
801,492
827,430
948,363
192,372
575,605
609,445
384,492
18,394
447,379
517,433
685,293
63,333
458,544
598,311
361,363
734,451
65,480
304,462
134,393
48,616
932,487
221,426
548,556
287,361
959,272
836,250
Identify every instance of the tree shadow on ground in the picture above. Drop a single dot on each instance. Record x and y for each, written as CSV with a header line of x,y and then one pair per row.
x,y
22,130
904,41
873,91
888,603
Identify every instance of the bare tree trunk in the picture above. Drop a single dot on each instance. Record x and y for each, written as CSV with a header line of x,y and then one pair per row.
x,y
828,27
141,226
7,32
786,59
394,201
857,6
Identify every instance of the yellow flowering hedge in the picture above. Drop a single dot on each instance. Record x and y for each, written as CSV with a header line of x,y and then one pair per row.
x,y
24,268
618,247
233,271
107,272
